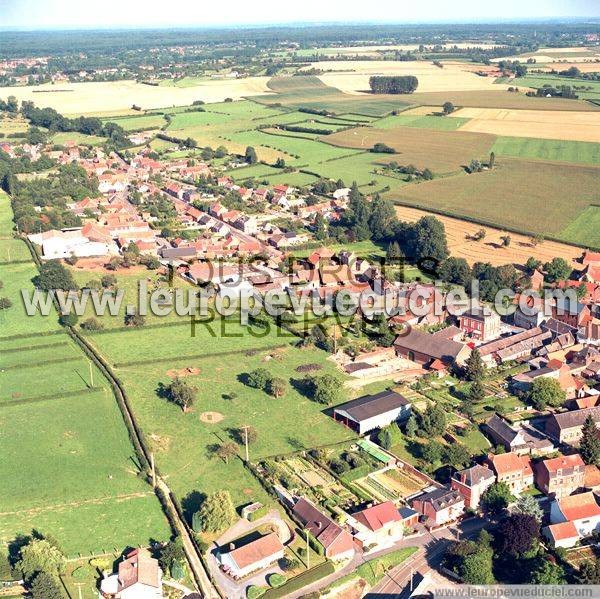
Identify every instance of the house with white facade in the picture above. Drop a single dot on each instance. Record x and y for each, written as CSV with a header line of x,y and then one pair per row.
x,y
139,577
251,557
581,510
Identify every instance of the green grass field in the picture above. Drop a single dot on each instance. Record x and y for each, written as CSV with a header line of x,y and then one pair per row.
x,y
135,123
581,152
182,441
68,466
78,138
540,80
585,228
437,123
311,92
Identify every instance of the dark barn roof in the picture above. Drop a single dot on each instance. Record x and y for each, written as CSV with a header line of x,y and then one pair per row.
x,y
369,406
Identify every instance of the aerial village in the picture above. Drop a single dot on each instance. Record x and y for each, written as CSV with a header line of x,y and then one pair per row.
x,y
374,496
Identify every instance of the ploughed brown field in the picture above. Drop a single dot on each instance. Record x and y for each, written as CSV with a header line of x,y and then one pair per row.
x,y
440,151
531,196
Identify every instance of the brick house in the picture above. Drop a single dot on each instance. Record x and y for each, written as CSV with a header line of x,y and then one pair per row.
x,y
472,484
559,477
480,323
512,469
440,506
379,524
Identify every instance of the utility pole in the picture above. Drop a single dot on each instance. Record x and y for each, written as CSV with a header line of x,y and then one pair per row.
x,y
412,572
153,469
245,427
79,588
91,375
334,337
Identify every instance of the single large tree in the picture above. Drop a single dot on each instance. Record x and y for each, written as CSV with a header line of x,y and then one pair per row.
x,y
497,497
53,275
39,555
327,389
45,586
527,504
181,394
474,368
547,572
589,448
517,533
546,392
430,239
476,568
226,451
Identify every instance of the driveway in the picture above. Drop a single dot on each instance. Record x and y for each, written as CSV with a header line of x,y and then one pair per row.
x,y
236,589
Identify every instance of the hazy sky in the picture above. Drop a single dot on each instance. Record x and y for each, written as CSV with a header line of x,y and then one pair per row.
x,y
153,13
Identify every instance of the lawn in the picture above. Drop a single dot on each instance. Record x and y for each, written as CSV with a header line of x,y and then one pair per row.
x,y
581,152
374,570
182,441
556,196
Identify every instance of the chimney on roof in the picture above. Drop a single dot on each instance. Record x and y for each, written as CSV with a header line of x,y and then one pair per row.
x,y
231,546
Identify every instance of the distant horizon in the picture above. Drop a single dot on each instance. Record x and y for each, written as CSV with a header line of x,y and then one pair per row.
x,y
65,15
298,24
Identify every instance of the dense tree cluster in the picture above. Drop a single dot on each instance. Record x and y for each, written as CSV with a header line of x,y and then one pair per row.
x,y
393,84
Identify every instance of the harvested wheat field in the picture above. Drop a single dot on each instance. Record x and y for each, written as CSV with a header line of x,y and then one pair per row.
x,y
353,77
79,98
569,125
491,248
440,151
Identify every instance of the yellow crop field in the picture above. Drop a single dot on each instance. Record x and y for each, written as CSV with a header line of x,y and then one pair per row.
x,y
102,97
491,249
568,125
353,77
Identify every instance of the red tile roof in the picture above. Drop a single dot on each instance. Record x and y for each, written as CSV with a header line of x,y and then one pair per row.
x,y
378,516
563,531
256,551
568,461
577,507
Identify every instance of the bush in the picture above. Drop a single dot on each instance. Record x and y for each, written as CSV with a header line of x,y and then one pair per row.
x,y
68,320
91,324
301,581
276,580
253,592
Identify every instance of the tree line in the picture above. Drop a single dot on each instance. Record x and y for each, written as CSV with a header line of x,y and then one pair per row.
x,y
393,84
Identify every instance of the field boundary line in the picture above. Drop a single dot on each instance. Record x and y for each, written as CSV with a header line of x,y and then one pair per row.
x,y
50,397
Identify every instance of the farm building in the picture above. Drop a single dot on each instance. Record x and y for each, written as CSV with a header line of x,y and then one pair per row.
x,y
373,411
519,440
425,348
252,556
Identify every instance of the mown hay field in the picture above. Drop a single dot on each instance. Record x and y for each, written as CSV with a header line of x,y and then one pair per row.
x,y
525,195
441,151
353,77
101,97
571,125
491,249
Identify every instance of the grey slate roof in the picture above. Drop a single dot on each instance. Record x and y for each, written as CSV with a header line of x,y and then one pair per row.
x,y
368,406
